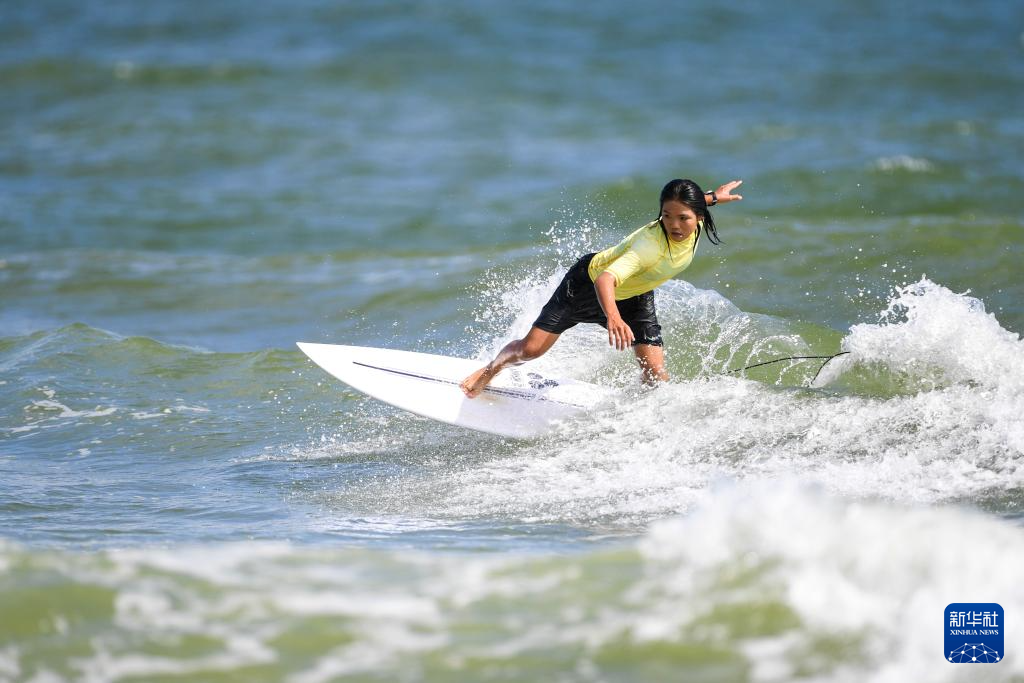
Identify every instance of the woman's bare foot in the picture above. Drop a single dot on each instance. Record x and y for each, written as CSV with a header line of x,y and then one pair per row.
x,y
533,345
475,383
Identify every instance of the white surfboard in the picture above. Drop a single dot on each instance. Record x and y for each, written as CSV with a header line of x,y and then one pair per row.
x,y
518,402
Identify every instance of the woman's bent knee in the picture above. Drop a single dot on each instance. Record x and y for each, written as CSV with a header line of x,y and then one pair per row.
x,y
532,349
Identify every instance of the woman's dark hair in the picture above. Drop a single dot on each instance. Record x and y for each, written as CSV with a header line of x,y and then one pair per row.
x,y
689,193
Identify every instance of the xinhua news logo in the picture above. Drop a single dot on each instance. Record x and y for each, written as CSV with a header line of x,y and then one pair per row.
x,y
974,633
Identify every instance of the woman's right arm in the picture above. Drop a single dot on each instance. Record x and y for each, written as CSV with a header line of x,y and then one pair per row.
x,y
619,334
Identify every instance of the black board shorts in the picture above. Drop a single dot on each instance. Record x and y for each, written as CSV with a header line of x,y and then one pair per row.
x,y
575,301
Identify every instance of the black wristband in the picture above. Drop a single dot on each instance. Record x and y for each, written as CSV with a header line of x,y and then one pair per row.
x,y
714,197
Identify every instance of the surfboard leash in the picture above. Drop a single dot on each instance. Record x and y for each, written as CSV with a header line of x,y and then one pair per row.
x,y
781,360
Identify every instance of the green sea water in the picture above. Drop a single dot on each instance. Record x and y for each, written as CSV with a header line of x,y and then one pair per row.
x,y
187,189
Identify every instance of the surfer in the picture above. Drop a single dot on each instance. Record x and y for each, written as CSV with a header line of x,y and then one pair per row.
x,y
615,287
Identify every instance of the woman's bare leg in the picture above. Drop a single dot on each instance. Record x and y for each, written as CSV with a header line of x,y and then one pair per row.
x,y
652,363
533,345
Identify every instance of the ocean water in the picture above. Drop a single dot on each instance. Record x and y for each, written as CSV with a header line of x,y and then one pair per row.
x,y
186,189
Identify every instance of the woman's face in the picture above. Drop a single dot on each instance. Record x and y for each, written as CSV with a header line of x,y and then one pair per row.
x,y
679,220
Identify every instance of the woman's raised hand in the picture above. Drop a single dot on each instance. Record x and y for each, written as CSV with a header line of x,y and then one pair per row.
x,y
724,192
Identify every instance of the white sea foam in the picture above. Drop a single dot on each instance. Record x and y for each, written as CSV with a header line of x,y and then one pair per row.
x,y
904,162
64,411
953,431
929,330
882,573
656,456
9,660
786,578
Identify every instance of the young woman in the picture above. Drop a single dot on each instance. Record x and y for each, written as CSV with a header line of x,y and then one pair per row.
x,y
615,287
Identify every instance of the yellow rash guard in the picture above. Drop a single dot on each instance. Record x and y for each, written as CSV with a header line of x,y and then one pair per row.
x,y
644,260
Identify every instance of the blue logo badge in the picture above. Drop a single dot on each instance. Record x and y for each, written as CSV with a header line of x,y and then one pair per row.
x,y
974,633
